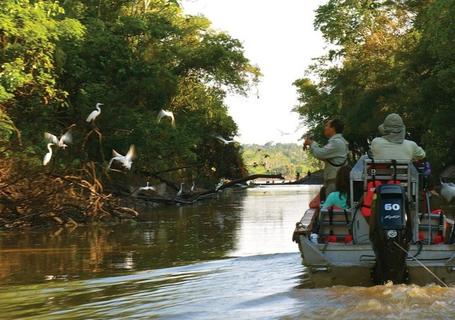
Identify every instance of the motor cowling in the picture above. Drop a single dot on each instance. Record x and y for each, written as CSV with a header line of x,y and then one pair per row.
x,y
390,229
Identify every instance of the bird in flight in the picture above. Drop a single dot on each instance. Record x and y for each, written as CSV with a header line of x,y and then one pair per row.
x,y
226,142
59,142
148,187
125,160
284,133
165,113
95,113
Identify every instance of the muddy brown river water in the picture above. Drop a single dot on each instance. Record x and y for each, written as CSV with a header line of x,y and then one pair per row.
x,y
230,258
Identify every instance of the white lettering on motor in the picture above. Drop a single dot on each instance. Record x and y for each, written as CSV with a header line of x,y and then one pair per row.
x,y
389,207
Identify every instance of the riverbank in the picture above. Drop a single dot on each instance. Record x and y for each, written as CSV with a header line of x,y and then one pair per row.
x,y
31,196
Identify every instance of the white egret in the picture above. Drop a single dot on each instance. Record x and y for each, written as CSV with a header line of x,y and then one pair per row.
x,y
165,113
180,190
193,187
95,113
126,160
447,191
48,155
62,142
283,133
219,185
220,138
147,188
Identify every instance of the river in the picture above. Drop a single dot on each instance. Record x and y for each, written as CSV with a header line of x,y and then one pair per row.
x,y
229,258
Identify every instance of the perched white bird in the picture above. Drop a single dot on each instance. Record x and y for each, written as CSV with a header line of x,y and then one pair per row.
x,y
95,113
193,187
62,142
220,138
180,190
147,188
126,160
165,113
48,156
219,184
447,191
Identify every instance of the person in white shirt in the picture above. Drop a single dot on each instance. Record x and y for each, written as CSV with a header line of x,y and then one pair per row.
x,y
334,153
393,145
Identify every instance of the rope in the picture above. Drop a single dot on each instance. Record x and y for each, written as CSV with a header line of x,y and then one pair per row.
x,y
422,265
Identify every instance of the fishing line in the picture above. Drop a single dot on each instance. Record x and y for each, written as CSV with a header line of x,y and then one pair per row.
x,y
422,265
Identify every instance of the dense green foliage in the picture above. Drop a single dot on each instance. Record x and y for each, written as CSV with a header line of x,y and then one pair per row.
x,y
285,158
59,58
387,56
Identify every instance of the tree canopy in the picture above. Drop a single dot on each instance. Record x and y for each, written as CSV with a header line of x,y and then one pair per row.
x,y
385,56
59,58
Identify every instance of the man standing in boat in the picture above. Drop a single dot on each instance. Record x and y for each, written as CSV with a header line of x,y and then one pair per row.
x,y
334,153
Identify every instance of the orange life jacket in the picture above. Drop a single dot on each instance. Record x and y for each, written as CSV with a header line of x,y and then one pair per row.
x,y
368,197
371,190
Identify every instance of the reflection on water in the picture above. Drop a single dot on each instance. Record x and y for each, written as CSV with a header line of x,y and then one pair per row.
x,y
223,259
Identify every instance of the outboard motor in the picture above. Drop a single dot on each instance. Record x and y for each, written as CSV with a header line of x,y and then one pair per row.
x,y
390,229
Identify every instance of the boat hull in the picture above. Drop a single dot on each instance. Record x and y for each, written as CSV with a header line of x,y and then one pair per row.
x,y
340,264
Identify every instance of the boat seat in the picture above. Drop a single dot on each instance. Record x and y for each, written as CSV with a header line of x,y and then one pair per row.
x,y
334,224
387,171
431,227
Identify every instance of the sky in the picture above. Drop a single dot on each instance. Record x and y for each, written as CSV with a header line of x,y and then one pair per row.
x,y
279,37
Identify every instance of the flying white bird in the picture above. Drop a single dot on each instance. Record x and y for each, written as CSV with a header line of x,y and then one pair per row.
x,y
126,160
447,191
284,133
62,142
220,138
180,190
147,188
48,156
95,113
165,113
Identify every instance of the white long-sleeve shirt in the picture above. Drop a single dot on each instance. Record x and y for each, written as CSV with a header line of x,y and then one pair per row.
x,y
335,151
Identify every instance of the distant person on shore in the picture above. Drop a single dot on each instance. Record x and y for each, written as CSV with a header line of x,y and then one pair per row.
x,y
393,145
334,153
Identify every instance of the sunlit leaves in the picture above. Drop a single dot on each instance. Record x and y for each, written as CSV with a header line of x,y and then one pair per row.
x,y
397,56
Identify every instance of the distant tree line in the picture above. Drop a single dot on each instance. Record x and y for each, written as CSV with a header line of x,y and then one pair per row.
x,y
287,159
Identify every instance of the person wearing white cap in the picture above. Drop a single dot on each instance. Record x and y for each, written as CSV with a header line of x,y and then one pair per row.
x,y
393,145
